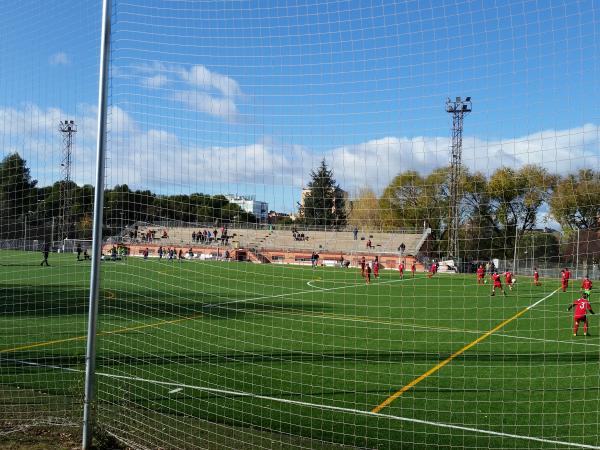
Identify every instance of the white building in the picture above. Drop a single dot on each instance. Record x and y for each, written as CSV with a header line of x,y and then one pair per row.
x,y
249,204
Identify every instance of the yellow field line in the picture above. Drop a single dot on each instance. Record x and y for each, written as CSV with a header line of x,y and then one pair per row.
x,y
388,401
102,333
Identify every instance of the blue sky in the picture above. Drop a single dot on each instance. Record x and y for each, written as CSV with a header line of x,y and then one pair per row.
x,y
247,97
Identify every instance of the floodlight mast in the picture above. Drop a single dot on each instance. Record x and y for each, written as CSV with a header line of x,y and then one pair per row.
x,y
458,108
67,129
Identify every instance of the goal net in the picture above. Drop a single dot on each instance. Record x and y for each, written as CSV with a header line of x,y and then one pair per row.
x,y
326,224
76,245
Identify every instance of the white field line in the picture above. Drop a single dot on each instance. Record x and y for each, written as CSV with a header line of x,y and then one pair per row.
x,y
312,286
180,386
288,294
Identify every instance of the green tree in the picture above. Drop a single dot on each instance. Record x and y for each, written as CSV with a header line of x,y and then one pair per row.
x,y
515,199
575,203
364,211
18,195
415,201
324,203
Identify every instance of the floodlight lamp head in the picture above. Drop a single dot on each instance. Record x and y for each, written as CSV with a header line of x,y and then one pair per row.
x,y
457,99
468,99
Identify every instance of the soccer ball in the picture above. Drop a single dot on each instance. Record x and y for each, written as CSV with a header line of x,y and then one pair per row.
x,y
514,280
484,281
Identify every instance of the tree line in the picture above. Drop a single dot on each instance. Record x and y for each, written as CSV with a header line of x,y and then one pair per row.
x,y
497,213
26,209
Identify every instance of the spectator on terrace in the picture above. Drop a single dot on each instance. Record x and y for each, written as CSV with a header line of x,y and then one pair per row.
x,y
355,233
401,248
165,235
215,233
369,243
193,236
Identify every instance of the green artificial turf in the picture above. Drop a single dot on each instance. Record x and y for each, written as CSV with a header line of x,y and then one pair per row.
x,y
186,345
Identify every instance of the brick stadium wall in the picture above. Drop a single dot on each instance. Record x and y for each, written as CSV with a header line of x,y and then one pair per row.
x,y
275,256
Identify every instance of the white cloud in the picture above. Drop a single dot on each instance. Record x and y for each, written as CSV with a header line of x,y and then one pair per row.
x,y
206,80
60,59
155,81
195,87
164,161
222,107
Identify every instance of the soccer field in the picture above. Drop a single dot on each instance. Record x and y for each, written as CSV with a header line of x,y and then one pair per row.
x,y
296,351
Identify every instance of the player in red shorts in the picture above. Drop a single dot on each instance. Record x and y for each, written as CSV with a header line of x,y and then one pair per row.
x,y
480,274
586,286
362,263
413,268
582,306
564,279
508,276
497,284
368,274
376,267
536,277
432,270
401,269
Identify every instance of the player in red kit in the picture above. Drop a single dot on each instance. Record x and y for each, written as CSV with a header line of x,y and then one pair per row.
x,y
497,284
376,267
536,277
480,274
586,285
413,269
432,270
401,269
565,279
582,306
508,276
368,274
363,263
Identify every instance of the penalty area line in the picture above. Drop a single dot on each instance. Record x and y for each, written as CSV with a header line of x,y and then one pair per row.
x,y
388,401
178,387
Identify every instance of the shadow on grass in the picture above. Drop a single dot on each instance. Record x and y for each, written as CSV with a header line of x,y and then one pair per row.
x,y
48,359
61,300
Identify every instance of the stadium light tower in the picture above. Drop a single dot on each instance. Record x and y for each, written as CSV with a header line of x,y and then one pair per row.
x,y
458,108
67,128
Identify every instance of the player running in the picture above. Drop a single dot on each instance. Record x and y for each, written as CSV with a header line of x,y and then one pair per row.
x,y
376,267
432,270
368,274
565,279
497,284
508,276
536,277
401,269
362,263
586,285
480,274
413,268
582,306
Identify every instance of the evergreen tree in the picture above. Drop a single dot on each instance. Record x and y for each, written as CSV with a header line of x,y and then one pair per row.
x,y
17,195
324,203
